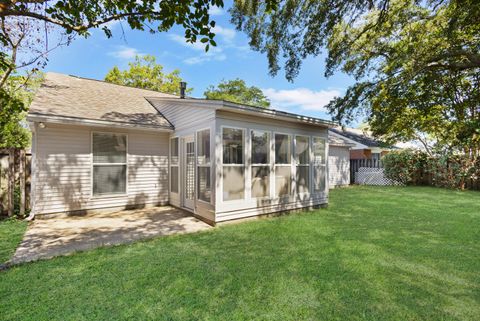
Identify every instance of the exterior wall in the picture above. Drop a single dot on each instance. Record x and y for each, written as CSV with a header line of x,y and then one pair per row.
x,y
338,166
63,168
248,206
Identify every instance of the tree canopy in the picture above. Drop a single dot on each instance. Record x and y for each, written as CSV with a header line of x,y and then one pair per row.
x,y
146,73
416,64
237,91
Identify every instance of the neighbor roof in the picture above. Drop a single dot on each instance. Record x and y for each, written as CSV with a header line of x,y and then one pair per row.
x,y
335,140
359,136
88,99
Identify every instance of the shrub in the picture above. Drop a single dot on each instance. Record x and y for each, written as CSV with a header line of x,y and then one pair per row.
x,y
405,166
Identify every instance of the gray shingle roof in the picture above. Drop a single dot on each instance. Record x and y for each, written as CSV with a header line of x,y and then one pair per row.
x,y
359,137
339,141
70,96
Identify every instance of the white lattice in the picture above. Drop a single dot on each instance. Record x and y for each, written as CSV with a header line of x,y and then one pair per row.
x,y
373,176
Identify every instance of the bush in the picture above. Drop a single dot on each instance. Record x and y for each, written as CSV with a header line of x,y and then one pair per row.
x,y
453,170
405,166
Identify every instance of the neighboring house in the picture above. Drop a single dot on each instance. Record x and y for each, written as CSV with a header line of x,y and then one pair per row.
x,y
364,145
338,161
100,146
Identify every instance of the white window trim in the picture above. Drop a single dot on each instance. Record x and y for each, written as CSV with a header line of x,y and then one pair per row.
x,y
291,165
268,164
244,165
324,165
92,165
309,142
209,165
173,165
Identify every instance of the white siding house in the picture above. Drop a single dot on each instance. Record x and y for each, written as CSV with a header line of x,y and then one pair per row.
x,y
101,146
338,160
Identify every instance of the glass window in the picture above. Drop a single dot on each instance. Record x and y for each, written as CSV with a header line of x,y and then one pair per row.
x,y
302,155
233,164
203,165
282,149
302,151
232,146
260,147
260,181
174,165
282,180
233,182
303,179
319,168
109,163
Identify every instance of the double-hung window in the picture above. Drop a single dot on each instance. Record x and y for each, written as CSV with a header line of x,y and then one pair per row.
x,y
174,160
109,175
203,165
302,157
260,153
283,166
233,142
319,165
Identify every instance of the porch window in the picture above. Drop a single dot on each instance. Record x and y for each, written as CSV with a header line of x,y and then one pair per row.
x,y
260,163
302,156
319,165
203,165
174,165
109,164
233,164
282,164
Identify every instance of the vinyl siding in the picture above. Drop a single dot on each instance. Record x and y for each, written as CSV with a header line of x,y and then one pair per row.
x,y
63,170
339,166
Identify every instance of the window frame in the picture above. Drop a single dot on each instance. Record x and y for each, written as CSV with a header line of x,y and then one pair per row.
x,y
92,165
244,165
297,163
177,165
209,165
290,164
268,164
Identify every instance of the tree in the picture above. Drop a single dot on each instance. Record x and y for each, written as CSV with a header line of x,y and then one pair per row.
x,y
237,91
416,63
145,73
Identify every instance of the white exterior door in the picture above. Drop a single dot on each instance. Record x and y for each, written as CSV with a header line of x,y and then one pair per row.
x,y
189,172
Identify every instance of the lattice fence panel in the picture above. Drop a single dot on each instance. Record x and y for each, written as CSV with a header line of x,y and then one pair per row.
x,y
373,176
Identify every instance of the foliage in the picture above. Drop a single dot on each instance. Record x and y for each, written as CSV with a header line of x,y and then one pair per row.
x,y
145,73
15,98
237,91
416,64
452,171
405,166
376,253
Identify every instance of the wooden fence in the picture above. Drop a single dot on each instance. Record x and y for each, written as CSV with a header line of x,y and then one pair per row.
x,y
425,177
15,172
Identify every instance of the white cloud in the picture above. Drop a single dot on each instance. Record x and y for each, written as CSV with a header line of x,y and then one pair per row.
x,y
124,52
226,33
304,98
216,11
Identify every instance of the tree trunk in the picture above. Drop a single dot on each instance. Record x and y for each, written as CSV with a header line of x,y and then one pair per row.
x,y
11,180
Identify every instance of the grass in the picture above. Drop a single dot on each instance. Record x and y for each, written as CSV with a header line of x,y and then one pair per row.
x,y
375,254
11,232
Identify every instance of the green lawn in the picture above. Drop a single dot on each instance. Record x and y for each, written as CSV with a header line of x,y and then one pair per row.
x,y
374,254
11,232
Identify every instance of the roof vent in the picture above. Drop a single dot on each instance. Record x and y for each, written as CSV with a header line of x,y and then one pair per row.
x,y
183,87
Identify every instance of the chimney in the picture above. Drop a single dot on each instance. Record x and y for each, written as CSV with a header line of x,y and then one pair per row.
x,y
183,87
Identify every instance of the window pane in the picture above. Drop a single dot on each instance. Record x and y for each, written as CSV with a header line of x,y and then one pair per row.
x,y
302,179
204,183
174,150
319,178
260,147
282,149
203,147
109,148
233,182
318,150
232,146
260,181
301,150
109,179
282,180
174,179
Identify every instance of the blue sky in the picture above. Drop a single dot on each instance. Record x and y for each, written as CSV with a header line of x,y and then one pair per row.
x,y
232,58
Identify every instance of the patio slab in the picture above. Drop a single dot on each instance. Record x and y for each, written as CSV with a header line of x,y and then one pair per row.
x,y
61,236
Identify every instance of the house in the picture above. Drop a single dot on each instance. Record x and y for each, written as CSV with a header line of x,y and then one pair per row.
x,y
99,146
338,161
364,145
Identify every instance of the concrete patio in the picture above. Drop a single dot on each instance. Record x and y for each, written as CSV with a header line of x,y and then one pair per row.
x,y
53,237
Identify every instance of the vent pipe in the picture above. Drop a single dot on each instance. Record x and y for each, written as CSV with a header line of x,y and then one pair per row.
x,y
183,87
